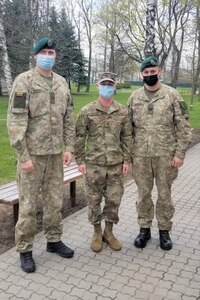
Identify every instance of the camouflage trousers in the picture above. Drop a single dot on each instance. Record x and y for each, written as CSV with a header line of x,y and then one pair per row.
x,y
145,171
47,178
107,182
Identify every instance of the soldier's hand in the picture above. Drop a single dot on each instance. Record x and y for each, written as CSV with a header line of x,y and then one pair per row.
x,y
177,162
125,168
67,158
27,166
82,168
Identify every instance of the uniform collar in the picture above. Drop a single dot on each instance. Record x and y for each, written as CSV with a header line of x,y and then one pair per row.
x,y
159,94
39,80
109,110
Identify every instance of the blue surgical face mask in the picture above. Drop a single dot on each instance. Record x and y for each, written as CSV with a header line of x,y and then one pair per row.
x,y
45,62
106,91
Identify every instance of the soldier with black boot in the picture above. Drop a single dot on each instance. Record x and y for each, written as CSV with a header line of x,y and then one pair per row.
x,y
40,125
161,136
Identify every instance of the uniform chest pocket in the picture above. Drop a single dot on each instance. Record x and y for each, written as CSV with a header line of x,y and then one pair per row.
x,y
39,102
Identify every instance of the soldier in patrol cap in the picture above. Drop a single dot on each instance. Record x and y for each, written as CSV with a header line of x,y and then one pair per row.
x,y
40,123
161,133
102,151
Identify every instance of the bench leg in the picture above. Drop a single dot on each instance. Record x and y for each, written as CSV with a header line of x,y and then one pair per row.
x,y
16,212
73,193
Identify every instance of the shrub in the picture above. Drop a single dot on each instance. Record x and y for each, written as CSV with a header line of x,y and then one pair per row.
x,y
127,85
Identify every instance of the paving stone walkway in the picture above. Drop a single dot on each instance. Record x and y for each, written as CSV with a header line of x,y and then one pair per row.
x,y
132,273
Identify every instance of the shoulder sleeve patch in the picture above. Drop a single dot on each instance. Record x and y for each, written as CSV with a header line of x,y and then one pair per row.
x,y
19,99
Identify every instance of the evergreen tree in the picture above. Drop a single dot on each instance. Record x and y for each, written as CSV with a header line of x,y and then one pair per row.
x,y
70,60
18,42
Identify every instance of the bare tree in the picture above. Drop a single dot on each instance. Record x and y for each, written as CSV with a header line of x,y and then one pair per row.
x,y
172,34
87,11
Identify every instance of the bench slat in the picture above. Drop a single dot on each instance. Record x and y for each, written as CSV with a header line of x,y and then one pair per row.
x,y
9,192
7,186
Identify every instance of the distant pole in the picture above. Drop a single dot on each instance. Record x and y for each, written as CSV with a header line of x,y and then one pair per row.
x,y
150,28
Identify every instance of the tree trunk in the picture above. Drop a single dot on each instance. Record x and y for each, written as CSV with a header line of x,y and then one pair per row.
x,y
89,67
5,78
150,28
197,73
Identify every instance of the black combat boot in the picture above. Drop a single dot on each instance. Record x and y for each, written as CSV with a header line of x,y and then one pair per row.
x,y
142,238
60,249
27,262
165,240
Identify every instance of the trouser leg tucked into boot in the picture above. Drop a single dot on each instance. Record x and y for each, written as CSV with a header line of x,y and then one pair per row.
x,y
142,238
96,244
165,240
109,237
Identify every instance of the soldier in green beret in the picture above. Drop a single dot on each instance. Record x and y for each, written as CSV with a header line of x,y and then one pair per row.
x,y
102,151
40,123
161,133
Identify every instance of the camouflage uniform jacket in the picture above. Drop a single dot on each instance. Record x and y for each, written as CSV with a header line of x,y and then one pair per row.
x,y
40,118
103,136
160,125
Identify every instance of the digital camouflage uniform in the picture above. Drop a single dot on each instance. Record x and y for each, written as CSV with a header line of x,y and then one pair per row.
x,y
160,131
40,121
103,143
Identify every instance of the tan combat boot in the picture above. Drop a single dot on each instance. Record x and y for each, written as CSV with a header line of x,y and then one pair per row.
x,y
109,237
97,244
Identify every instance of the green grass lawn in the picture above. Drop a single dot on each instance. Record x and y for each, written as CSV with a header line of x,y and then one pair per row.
x,y
7,155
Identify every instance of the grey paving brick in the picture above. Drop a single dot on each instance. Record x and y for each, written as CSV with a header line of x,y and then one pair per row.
x,y
14,289
89,296
5,296
4,285
141,295
155,297
192,292
159,274
161,291
174,271
92,278
129,290
174,295
23,294
109,293
104,282
77,292
147,287
97,288
184,297
178,288
122,279
102,298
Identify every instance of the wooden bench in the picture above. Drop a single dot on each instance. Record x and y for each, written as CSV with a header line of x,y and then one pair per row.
x,y
9,192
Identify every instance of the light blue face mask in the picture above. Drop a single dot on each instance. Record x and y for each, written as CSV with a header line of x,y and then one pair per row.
x,y
106,91
45,62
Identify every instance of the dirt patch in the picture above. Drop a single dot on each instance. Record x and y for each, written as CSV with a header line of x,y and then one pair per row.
x,y
7,232
6,212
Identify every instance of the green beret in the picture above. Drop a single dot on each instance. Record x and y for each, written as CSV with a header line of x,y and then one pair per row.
x,y
150,61
43,43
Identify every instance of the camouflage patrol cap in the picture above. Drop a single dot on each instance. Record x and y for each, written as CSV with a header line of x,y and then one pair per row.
x,y
43,43
150,61
107,76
